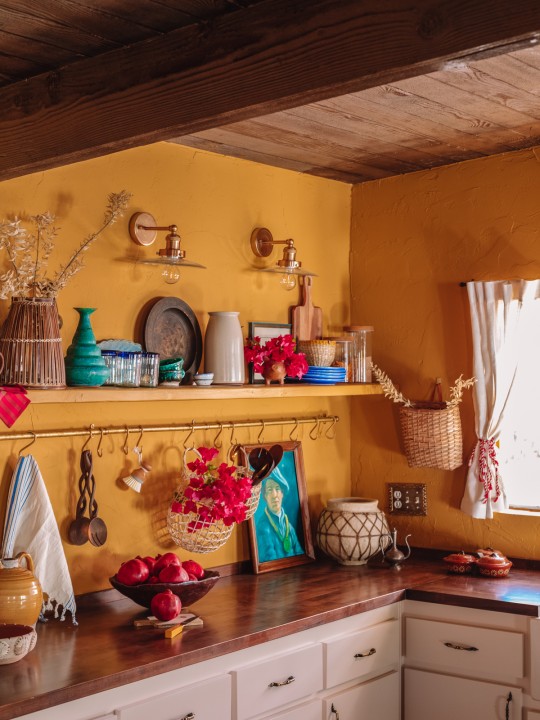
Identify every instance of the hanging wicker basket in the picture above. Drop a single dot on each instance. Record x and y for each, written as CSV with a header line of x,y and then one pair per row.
x,y
431,431
432,436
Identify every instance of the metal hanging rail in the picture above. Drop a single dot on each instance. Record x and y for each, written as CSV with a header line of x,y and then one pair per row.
x,y
317,421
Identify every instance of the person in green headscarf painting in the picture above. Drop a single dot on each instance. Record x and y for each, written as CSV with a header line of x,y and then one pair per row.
x,y
276,536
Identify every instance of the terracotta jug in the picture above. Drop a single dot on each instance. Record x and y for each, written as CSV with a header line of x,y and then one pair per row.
x,y
21,596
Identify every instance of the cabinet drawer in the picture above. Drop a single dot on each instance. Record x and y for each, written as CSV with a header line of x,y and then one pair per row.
x,y
429,696
206,700
275,682
353,656
378,698
310,710
498,654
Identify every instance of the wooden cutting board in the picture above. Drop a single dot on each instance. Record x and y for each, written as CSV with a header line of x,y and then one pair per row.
x,y
306,319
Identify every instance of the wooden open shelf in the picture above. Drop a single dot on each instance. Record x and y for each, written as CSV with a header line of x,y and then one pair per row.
x,y
191,392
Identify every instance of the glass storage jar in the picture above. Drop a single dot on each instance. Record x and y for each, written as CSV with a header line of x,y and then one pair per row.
x,y
362,345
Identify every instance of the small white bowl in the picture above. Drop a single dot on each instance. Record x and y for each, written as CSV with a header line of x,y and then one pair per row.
x,y
16,641
203,379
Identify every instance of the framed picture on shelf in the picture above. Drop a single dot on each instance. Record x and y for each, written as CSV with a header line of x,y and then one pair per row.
x,y
266,331
279,531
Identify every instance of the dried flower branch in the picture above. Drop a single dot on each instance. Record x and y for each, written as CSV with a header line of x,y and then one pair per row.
x,y
389,389
456,392
28,253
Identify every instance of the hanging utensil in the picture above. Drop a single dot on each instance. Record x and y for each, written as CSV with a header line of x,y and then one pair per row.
x,y
97,530
78,530
262,463
276,451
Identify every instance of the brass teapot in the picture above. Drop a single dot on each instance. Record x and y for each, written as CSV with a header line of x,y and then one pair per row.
x,y
21,596
393,555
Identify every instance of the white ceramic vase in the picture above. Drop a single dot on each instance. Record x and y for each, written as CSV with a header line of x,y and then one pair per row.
x,y
224,348
350,530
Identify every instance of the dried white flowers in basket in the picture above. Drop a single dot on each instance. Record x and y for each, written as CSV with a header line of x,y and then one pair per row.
x,y
30,339
431,430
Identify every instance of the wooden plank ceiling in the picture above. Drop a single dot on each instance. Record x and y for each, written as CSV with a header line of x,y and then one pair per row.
x,y
350,90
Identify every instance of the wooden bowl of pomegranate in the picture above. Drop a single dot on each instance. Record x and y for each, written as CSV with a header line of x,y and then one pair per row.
x,y
188,592
141,578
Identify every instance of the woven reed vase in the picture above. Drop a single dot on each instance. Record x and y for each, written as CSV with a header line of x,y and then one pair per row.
x,y
31,344
350,530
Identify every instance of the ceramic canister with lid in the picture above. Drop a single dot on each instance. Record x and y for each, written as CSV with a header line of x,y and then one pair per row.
x,y
224,348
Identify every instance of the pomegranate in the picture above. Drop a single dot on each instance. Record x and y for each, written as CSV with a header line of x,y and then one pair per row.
x,y
166,605
173,574
133,572
150,561
193,568
162,561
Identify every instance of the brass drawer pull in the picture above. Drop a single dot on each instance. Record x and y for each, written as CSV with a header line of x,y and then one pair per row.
x,y
366,654
333,711
288,681
468,648
189,716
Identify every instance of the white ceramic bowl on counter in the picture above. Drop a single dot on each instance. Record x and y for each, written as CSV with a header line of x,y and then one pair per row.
x,y
16,641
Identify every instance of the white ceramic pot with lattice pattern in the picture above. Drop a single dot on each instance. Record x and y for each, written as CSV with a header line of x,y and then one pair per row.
x,y
350,530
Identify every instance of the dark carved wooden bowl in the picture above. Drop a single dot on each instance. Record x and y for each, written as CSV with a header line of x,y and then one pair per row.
x,y
188,592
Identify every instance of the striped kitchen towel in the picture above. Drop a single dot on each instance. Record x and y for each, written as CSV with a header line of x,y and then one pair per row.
x,y
30,526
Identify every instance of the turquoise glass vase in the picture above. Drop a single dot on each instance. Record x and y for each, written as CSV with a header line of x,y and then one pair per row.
x,y
84,363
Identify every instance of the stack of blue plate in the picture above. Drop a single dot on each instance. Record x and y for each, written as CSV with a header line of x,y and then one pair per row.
x,y
324,375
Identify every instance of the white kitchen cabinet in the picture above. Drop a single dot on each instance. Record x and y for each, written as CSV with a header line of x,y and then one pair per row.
x,y
432,695
220,681
464,663
277,681
204,701
376,699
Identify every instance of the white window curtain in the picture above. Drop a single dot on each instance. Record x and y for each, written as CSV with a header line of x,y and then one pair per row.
x,y
498,318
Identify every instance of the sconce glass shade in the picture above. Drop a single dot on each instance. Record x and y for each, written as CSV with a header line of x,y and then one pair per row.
x,y
262,244
143,231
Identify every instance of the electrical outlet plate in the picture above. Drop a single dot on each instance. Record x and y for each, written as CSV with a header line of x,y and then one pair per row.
x,y
407,499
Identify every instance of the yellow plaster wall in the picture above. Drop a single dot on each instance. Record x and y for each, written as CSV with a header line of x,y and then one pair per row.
x,y
216,202
413,240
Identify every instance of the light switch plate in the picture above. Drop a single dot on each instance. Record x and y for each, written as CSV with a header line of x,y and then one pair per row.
x,y
407,499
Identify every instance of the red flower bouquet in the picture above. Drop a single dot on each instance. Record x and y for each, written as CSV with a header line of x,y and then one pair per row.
x,y
215,491
279,349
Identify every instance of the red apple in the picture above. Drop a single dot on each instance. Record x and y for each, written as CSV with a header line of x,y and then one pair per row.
x,y
165,605
162,561
133,572
173,574
194,568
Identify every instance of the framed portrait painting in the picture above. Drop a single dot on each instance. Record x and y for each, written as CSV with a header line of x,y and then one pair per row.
x,y
266,331
279,531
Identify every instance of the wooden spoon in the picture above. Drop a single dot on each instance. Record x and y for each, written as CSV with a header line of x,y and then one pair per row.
x,y
262,463
78,530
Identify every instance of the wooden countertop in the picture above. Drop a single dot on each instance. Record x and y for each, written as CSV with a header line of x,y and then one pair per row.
x,y
105,650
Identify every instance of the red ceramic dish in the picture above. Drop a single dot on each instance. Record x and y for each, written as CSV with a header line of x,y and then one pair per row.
x,y
460,563
493,565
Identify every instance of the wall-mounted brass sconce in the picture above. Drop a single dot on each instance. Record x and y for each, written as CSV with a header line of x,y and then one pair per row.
x,y
288,266
143,230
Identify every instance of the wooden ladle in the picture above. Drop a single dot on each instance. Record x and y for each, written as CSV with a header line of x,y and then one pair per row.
x,y
262,463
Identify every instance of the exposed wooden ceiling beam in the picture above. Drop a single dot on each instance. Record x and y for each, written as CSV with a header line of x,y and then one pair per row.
x,y
271,56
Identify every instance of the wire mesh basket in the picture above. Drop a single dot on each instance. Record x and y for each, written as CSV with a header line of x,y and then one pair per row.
x,y
193,534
